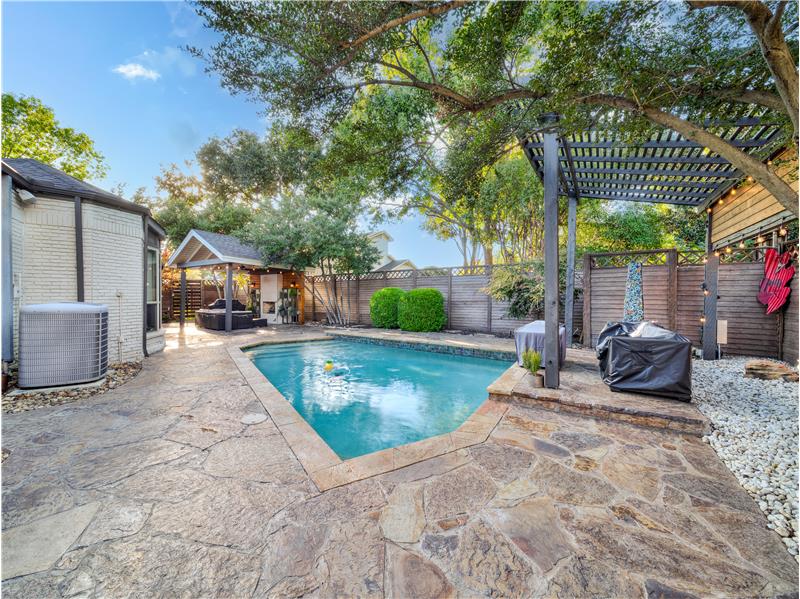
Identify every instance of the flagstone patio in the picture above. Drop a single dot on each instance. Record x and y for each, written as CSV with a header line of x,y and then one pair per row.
x,y
179,483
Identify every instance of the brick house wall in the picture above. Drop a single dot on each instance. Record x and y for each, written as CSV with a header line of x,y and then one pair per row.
x,y
43,240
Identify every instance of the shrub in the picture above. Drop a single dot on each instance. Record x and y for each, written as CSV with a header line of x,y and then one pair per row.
x,y
421,310
383,307
531,360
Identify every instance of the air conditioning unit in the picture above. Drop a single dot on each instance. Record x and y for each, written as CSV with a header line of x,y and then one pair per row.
x,y
62,344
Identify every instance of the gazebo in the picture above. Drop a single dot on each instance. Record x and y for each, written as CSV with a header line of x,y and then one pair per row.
x,y
667,168
204,249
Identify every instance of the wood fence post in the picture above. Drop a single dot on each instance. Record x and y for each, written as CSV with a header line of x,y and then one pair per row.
x,y
489,297
313,299
587,300
358,299
672,289
183,297
449,297
414,279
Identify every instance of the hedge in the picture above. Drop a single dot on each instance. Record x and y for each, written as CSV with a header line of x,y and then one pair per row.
x,y
421,310
383,307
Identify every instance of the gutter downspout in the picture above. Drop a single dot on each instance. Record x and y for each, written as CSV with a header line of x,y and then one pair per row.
x,y
7,275
144,286
79,247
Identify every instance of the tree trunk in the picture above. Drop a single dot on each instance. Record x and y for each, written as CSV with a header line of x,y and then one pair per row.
x,y
749,165
768,31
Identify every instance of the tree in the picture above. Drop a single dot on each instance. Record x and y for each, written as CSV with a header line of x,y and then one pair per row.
x,y
315,232
662,65
30,130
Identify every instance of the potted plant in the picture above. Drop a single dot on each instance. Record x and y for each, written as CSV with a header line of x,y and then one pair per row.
x,y
532,361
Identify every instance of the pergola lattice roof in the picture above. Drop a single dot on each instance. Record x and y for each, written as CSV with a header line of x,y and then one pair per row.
x,y
667,168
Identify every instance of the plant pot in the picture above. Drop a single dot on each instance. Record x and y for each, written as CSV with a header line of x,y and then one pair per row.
x,y
538,380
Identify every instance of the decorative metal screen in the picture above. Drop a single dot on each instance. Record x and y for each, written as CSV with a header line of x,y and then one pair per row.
x,y
62,344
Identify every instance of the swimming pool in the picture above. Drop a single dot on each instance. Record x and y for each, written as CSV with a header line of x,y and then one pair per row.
x,y
375,396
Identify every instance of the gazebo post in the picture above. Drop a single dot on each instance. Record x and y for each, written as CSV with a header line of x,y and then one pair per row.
x,y
551,168
570,291
228,297
183,297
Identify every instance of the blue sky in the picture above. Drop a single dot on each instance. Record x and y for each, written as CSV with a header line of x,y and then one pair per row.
x,y
117,71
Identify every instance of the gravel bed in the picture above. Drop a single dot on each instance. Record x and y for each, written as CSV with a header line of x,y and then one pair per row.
x,y
117,375
755,434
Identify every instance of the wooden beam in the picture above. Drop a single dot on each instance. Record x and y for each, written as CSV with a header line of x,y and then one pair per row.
x,y
200,263
587,300
182,316
667,144
570,291
228,297
663,172
551,169
710,308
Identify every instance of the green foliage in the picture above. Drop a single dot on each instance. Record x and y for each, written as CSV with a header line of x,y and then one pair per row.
x,y
383,307
30,130
421,310
531,360
522,287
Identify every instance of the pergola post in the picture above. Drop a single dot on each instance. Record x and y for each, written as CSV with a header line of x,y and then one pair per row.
x,y
551,168
182,315
228,297
572,217
710,289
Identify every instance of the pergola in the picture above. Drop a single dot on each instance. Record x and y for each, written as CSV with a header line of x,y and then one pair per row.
x,y
667,168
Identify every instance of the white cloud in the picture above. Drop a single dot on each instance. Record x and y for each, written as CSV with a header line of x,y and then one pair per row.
x,y
169,58
134,70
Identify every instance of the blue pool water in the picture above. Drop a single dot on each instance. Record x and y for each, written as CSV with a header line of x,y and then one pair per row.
x,y
376,396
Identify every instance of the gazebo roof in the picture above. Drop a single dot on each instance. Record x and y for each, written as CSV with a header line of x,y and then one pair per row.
x,y
667,168
203,248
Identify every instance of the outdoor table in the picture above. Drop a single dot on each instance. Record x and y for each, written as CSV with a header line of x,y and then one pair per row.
x,y
531,336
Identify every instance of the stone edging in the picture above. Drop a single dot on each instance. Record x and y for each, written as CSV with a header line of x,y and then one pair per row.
x,y
322,464
440,347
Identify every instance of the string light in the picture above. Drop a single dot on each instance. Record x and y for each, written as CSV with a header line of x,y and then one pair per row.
x,y
705,291
741,244
782,231
705,260
769,162
708,209
749,178
733,192
716,253
702,319
721,201
728,250
760,238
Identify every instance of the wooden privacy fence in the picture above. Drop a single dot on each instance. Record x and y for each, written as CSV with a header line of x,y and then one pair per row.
x,y
673,296
198,295
467,307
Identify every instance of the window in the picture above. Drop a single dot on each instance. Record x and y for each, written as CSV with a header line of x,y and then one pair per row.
x,y
153,290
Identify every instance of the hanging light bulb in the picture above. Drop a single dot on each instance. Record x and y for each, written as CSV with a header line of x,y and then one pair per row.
x,y
705,291
702,319
708,209
716,253
728,250
721,201
782,231
741,244
733,191
749,178
705,260
760,238
769,162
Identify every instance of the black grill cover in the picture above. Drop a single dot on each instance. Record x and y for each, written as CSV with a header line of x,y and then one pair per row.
x,y
645,358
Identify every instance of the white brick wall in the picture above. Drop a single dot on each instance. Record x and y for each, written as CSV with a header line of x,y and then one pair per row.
x,y
113,275
43,237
